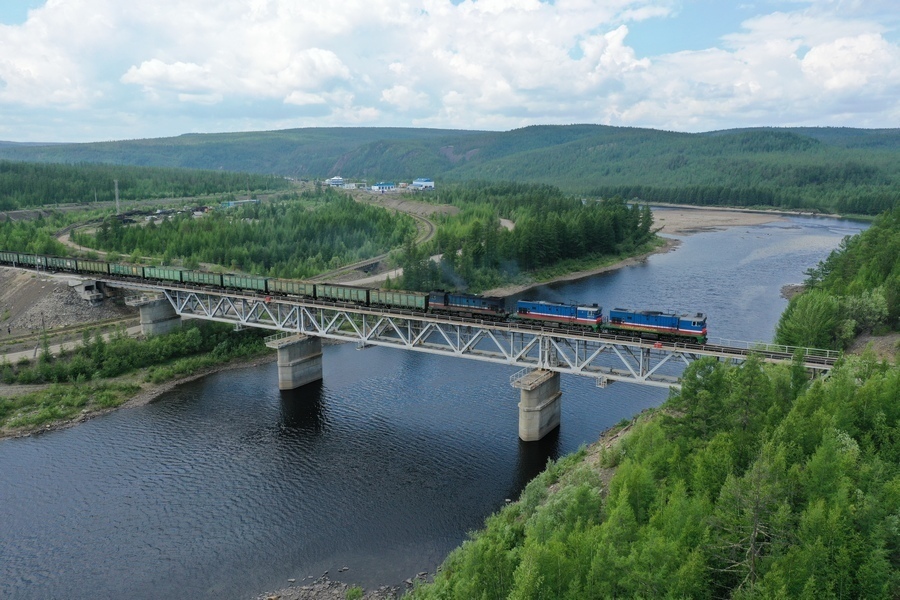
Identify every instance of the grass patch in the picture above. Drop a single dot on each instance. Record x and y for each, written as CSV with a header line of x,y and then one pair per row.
x,y
354,593
61,403
188,366
84,380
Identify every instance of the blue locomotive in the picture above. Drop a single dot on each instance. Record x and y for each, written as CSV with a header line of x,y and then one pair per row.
x,y
467,305
556,314
654,324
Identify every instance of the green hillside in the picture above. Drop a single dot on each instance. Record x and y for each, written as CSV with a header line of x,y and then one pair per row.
x,y
834,169
750,482
24,185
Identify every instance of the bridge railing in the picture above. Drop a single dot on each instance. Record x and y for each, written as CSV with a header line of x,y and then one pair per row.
x,y
767,347
279,336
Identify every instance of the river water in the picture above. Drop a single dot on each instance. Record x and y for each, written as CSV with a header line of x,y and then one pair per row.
x,y
226,487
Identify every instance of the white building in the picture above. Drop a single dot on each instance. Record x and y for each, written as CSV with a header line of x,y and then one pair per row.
x,y
422,184
383,186
335,182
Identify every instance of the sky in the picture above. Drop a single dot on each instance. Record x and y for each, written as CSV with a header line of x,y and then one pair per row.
x,y
96,70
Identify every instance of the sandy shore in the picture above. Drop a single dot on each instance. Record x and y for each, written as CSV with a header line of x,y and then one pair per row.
x,y
686,220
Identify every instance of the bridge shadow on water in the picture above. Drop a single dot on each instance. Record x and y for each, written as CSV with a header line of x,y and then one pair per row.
x,y
302,409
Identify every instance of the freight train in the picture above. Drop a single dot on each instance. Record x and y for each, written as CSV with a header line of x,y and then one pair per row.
x,y
634,323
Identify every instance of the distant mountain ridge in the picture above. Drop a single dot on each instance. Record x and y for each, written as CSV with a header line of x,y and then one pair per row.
x,y
855,170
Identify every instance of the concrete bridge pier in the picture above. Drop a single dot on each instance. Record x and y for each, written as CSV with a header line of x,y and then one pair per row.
x,y
158,316
299,360
540,404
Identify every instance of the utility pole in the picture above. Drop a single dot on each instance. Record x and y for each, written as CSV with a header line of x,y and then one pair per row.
x,y
116,181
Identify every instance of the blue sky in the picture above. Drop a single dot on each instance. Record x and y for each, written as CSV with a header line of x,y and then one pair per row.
x,y
15,12
694,26
89,70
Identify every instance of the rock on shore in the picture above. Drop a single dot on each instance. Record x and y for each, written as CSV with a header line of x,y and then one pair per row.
x,y
326,589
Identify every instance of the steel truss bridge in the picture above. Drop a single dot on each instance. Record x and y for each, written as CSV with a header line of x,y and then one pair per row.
x,y
606,358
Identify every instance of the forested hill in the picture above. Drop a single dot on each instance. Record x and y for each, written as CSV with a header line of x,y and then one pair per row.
x,y
25,185
837,169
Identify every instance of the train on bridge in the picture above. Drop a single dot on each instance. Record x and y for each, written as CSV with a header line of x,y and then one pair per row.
x,y
649,324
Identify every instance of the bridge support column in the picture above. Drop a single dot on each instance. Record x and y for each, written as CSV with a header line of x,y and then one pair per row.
x,y
540,404
157,315
299,360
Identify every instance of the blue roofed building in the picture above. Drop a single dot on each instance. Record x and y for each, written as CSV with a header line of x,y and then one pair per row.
x,y
422,183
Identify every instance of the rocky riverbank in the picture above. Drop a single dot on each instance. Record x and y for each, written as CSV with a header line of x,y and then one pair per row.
x,y
326,589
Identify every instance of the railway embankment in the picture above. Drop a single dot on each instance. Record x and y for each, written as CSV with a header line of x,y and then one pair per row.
x,y
33,304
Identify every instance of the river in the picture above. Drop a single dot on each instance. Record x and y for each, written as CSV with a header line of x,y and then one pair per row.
x,y
226,487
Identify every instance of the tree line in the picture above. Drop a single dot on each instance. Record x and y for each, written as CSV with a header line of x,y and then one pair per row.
x,y
855,290
828,169
24,185
549,228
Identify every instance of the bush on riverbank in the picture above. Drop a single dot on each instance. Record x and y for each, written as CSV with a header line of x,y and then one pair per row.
x,y
97,358
79,377
61,403
856,290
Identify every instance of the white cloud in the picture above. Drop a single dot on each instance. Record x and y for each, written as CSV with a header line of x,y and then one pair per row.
x,y
404,98
853,63
491,64
184,77
303,99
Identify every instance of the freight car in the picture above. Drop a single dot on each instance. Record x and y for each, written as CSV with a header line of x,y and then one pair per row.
x,y
342,293
399,299
163,273
32,260
290,287
244,282
201,278
61,263
92,266
126,270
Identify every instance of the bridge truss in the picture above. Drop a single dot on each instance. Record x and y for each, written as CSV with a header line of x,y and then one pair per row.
x,y
606,358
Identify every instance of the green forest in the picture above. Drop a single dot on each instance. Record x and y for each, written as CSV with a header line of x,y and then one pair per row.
x,y
298,237
551,229
851,171
751,481
855,290
24,185
35,236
